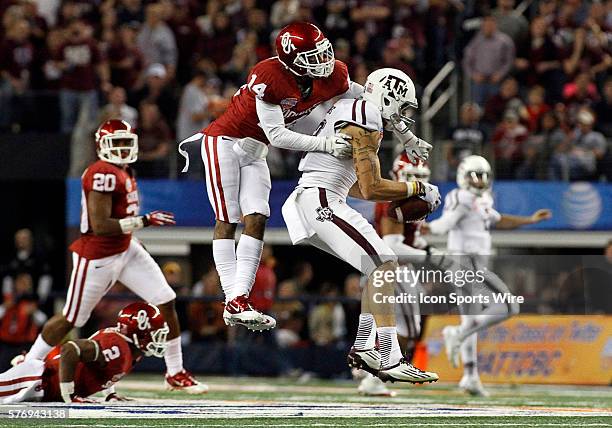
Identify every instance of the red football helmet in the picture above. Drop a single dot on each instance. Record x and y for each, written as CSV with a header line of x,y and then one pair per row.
x,y
404,170
305,51
143,324
116,142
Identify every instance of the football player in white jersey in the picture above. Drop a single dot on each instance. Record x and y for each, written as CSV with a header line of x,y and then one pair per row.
x,y
467,218
317,212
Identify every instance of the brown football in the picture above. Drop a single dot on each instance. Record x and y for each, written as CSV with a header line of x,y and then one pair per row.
x,y
407,210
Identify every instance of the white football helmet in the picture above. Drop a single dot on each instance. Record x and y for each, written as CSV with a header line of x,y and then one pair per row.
x,y
393,92
474,175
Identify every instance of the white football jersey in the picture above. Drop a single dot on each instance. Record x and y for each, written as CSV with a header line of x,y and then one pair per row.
x,y
326,171
467,218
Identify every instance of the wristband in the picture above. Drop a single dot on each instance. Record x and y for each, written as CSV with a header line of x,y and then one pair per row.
x,y
76,347
414,188
67,389
130,224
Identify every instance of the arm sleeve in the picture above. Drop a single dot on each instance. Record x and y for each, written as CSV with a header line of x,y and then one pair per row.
x,y
272,122
354,91
454,210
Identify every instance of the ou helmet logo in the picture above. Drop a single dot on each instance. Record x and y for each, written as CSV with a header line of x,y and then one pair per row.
x,y
287,44
143,320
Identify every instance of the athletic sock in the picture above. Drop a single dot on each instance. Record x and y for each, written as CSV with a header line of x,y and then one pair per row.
x,y
224,254
39,350
366,332
248,254
469,355
390,352
174,356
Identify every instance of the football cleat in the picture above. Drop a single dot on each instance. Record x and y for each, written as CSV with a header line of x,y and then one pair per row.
x,y
185,382
473,386
406,372
372,386
239,311
368,360
452,344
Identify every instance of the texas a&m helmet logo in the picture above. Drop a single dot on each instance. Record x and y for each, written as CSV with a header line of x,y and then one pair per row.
x,y
396,86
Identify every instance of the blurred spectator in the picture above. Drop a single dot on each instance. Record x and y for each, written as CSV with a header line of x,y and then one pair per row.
x,y
219,44
326,322
264,288
337,22
125,59
154,141
352,309
118,109
487,60
16,60
206,317
27,260
374,16
20,319
535,108
156,41
78,59
510,22
539,148
156,90
466,139
582,92
507,144
506,99
302,277
394,57
130,12
290,315
284,12
578,157
174,275
188,39
603,110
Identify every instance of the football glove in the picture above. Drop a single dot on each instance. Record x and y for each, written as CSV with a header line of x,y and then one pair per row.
x,y
158,218
339,146
416,149
430,194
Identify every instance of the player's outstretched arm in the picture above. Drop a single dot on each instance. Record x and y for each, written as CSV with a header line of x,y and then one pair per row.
x,y
99,206
272,122
515,221
73,352
367,166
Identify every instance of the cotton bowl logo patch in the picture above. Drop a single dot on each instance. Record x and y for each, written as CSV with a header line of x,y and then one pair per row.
x,y
324,214
288,103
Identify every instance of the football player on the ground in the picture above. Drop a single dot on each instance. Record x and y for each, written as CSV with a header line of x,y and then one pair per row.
x,y
317,213
106,252
80,368
279,91
408,318
467,218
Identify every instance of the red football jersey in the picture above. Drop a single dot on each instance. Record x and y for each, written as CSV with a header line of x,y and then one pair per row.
x,y
270,81
410,229
106,178
92,377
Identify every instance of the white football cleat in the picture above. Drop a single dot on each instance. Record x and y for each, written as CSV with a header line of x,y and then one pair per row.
x,y
473,386
372,386
406,372
450,333
239,311
367,359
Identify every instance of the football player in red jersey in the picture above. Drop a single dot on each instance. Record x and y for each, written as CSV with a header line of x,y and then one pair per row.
x,y
80,368
106,252
279,94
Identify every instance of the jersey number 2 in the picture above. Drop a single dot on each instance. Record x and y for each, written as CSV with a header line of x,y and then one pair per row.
x,y
104,182
111,353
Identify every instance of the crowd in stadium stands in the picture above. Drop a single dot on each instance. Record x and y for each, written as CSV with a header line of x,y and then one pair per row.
x,y
540,89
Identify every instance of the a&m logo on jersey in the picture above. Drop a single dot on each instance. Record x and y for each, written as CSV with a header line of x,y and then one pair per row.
x,y
324,214
288,103
287,44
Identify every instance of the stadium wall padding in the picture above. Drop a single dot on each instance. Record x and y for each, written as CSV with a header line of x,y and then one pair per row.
x,y
576,206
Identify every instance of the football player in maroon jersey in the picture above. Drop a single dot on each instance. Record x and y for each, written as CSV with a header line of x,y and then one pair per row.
x,y
279,94
80,368
106,252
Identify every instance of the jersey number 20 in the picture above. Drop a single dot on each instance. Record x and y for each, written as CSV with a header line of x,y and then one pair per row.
x,y
104,182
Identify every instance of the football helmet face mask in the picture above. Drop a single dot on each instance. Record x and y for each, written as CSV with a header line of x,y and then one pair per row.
x,y
474,175
404,170
116,142
393,92
144,325
304,50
